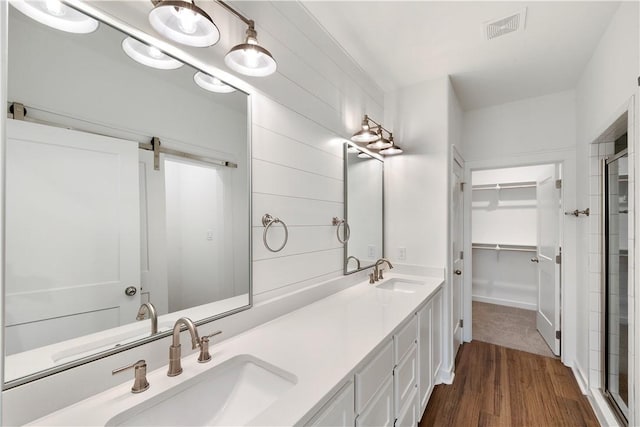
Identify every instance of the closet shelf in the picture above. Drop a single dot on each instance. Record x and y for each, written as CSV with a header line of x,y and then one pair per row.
x,y
505,247
505,186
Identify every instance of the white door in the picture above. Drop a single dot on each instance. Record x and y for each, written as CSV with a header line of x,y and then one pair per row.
x,y
72,234
457,210
548,222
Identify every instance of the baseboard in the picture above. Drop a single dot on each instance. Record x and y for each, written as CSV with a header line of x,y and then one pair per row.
x,y
581,380
446,376
604,414
508,303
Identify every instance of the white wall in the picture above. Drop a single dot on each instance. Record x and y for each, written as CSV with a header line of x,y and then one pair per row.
x,y
299,117
528,132
416,195
602,94
425,119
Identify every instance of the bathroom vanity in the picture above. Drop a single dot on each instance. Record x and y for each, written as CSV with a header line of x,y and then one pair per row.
x,y
368,355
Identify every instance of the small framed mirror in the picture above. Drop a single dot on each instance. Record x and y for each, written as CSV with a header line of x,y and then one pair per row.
x,y
363,208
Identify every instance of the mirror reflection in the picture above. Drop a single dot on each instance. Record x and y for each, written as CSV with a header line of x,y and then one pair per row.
x,y
126,183
363,208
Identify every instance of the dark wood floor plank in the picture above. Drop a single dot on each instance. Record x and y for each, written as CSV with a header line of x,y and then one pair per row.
x,y
498,386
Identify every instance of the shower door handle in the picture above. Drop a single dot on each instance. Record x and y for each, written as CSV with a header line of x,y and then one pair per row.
x,y
535,259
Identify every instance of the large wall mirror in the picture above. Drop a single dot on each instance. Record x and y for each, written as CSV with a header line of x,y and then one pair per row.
x,y
125,185
364,208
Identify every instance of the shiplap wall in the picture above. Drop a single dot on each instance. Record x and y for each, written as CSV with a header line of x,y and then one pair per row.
x,y
299,117
297,134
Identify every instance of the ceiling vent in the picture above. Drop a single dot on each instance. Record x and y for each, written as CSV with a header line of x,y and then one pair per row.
x,y
508,24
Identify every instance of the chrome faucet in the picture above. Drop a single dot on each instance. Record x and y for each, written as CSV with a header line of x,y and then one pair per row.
x,y
175,352
377,272
147,307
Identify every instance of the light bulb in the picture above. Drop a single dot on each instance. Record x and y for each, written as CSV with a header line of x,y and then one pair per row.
x,y
187,20
252,57
54,7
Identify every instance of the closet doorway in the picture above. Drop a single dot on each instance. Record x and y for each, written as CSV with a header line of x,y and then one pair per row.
x,y
516,255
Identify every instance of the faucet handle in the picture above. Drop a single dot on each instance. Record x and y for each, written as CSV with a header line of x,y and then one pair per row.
x,y
204,355
380,274
140,382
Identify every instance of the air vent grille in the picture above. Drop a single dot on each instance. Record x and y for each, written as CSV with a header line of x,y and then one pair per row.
x,y
506,25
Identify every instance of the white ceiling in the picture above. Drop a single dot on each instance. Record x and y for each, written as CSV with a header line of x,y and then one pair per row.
x,y
400,43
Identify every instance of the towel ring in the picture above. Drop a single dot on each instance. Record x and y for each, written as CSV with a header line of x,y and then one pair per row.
x,y
268,221
347,230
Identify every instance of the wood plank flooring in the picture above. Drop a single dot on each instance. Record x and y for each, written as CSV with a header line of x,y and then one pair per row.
x,y
499,386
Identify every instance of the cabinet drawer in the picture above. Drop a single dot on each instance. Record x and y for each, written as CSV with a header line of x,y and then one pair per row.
x,y
406,378
406,337
379,411
408,416
370,378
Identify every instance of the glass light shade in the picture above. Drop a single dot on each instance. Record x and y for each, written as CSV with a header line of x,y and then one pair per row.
x,y
185,23
393,150
251,59
149,55
212,84
56,15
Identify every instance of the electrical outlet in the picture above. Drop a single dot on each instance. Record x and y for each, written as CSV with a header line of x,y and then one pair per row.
x,y
210,235
402,254
371,251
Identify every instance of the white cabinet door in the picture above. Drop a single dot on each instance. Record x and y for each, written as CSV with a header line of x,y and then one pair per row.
x,y
436,336
379,411
339,411
370,378
425,383
405,377
72,232
408,414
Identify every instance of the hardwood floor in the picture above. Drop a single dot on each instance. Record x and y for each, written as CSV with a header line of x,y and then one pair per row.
x,y
499,386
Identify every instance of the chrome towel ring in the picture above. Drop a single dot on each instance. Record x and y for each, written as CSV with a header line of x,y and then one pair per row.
x,y
268,221
347,231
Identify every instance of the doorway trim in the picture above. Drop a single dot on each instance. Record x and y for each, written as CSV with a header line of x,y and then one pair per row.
x,y
568,277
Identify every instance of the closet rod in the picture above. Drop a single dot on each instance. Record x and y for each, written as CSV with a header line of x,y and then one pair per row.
x,y
504,186
499,247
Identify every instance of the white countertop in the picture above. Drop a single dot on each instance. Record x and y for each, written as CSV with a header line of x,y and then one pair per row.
x,y
322,344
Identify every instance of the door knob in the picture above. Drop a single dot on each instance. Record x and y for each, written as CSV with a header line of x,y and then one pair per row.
x,y
131,291
535,259
458,272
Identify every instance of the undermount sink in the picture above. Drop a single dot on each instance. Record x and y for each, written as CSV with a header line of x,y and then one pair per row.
x,y
401,285
230,394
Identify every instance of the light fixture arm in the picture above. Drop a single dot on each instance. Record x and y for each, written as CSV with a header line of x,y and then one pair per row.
x,y
378,125
240,16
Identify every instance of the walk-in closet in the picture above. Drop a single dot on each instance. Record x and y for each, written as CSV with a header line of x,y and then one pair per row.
x,y
509,280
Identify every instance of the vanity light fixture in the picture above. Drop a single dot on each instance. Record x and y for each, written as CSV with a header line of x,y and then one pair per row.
x,y
381,143
249,58
183,22
211,83
149,55
393,150
55,14
366,134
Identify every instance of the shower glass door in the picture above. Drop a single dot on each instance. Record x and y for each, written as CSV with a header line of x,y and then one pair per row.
x,y
616,379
